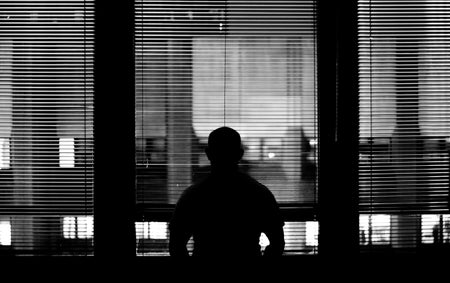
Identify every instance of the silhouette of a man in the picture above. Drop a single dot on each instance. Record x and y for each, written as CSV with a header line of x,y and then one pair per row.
x,y
228,210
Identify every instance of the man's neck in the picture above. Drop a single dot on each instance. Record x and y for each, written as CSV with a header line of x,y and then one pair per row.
x,y
223,169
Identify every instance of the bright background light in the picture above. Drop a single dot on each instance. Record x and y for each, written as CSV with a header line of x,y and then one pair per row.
x,y
4,153
380,225
312,233
5,233
152,230
69,229
67,152
78,227
85,227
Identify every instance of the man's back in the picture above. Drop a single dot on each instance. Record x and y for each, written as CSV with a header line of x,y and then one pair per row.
x,y
226,214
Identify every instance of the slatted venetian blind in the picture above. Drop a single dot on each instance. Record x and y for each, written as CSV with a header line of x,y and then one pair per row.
x,y
46,104
249,65
404,63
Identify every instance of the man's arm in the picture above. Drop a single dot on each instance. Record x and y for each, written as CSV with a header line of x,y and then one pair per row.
x,y
177,243
273,227
179,229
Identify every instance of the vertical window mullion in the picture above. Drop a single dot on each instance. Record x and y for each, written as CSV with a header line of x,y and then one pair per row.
x,y
114,233
337,103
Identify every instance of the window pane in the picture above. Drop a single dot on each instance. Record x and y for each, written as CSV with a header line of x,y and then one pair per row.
x,y
249,65
300,238
46,122
404,117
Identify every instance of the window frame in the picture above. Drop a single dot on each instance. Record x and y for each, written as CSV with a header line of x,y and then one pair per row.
x,y
116,207
114,198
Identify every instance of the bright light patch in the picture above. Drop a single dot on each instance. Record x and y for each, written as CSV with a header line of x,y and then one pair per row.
x,y
375,229
381,229
271,155
67,152
151,230
5,233
263,241
141,230
364,229
312,233
78,227
69,227
85,227
4,153
158,230
446,219
430,226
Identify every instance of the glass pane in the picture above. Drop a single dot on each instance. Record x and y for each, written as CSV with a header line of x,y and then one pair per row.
x,y
249,65
404,117
300,238
46,124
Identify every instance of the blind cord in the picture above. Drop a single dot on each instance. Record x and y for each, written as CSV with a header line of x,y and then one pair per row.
x,y
224,26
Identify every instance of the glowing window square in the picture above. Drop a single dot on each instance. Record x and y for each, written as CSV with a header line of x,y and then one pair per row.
x,y
446,232
69,227
85,227
158,230
312,233
67,152
364,229
5,233
5,157
430,222
141,229
381,229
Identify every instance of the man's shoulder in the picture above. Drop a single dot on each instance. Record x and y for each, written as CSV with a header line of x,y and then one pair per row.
x,y
251,181
195,188
256,185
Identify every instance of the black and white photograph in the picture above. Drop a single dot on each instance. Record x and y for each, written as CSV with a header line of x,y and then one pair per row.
x,y
300,137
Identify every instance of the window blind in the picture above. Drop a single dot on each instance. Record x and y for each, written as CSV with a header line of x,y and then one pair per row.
x,y
404,124
46,104
250,65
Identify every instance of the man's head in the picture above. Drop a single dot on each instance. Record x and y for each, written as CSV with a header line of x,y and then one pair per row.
x,y
224,147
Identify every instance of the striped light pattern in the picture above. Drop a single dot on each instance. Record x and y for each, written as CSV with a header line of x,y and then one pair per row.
x,y
46,113
404,126
249,65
